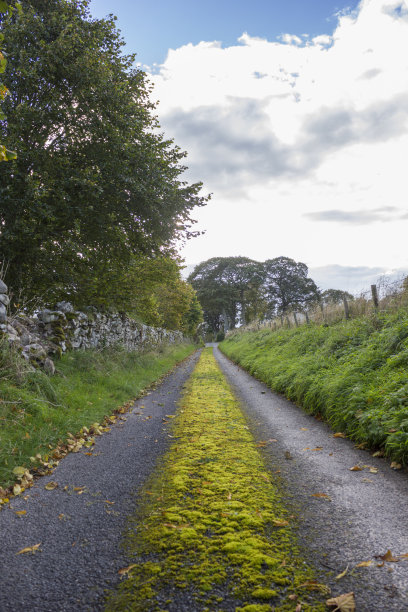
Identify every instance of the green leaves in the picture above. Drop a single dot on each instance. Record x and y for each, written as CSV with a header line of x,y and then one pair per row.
x,y
95,184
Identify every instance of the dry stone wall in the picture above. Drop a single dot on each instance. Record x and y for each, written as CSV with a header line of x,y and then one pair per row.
x,y
48,334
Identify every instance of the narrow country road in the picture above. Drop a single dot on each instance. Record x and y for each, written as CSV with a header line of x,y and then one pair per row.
x,y
365,513
357,516
80,529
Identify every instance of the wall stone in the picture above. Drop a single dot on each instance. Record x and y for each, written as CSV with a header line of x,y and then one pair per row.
x,y
48,334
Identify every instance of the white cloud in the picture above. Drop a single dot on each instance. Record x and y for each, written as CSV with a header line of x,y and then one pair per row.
x,y
293,131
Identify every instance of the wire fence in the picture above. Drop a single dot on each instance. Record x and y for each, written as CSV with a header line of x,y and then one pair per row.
x,y
385,295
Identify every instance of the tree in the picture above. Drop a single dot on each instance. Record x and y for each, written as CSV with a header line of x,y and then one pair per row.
x,y
5,11
228,290
335,296
94,183
287,286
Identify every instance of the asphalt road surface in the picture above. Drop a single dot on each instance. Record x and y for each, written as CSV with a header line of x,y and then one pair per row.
x,y
364,514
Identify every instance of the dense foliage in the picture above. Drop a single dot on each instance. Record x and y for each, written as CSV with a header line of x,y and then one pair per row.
x,y
354,373
95,185
5,11
236,290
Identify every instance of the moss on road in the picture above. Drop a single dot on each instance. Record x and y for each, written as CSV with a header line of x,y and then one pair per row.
x,y
212,532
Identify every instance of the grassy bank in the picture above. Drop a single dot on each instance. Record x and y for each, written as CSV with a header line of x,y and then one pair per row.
x,y
353,373
36,412
213,531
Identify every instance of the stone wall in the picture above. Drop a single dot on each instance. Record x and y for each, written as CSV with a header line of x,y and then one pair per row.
x,y
49,333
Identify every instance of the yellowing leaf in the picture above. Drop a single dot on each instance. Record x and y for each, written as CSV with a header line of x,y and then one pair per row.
x,y
281,523
356,468
304,429
340,576
21,512
29,549
373,470
396,466
50,486
343,603
339,434
364,564
388,557
126,570
19,471
17,490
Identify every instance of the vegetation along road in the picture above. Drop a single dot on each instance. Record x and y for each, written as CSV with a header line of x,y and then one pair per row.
x,y
234,501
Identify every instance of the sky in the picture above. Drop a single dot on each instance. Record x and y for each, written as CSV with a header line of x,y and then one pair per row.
x,y
294,116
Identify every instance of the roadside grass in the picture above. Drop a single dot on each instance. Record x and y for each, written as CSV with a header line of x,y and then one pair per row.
x,y
37,412
353,373
213,531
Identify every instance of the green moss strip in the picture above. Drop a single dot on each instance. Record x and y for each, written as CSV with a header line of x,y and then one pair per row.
x,y
213,527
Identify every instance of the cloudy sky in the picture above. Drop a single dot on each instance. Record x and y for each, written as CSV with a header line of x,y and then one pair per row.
x,y
295,117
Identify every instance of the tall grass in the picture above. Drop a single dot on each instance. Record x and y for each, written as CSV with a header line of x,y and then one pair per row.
x,y
354,373
37,411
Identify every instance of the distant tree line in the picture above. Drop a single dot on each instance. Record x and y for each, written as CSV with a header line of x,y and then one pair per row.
x,y
95,202
237,290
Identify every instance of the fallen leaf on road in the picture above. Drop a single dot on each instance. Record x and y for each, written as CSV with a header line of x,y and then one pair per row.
x,y
396,466
339,434
373,470
356,468
304,429
343,603
109,502
323,495
318,448
340,576
50,486
29,549
17,490
364,564
126,570
288,455
388,557
404,556
313,585
21,512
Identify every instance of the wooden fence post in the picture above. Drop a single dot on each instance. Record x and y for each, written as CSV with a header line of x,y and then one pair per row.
x,y
346,308
375,295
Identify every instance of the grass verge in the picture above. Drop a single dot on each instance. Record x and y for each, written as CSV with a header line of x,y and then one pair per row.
x,y
37,412
353,373
213,531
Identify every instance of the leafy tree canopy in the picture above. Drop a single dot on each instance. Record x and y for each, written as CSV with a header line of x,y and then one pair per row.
x,y
236,290
94,183
287,285
5,11
228,290
335,296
